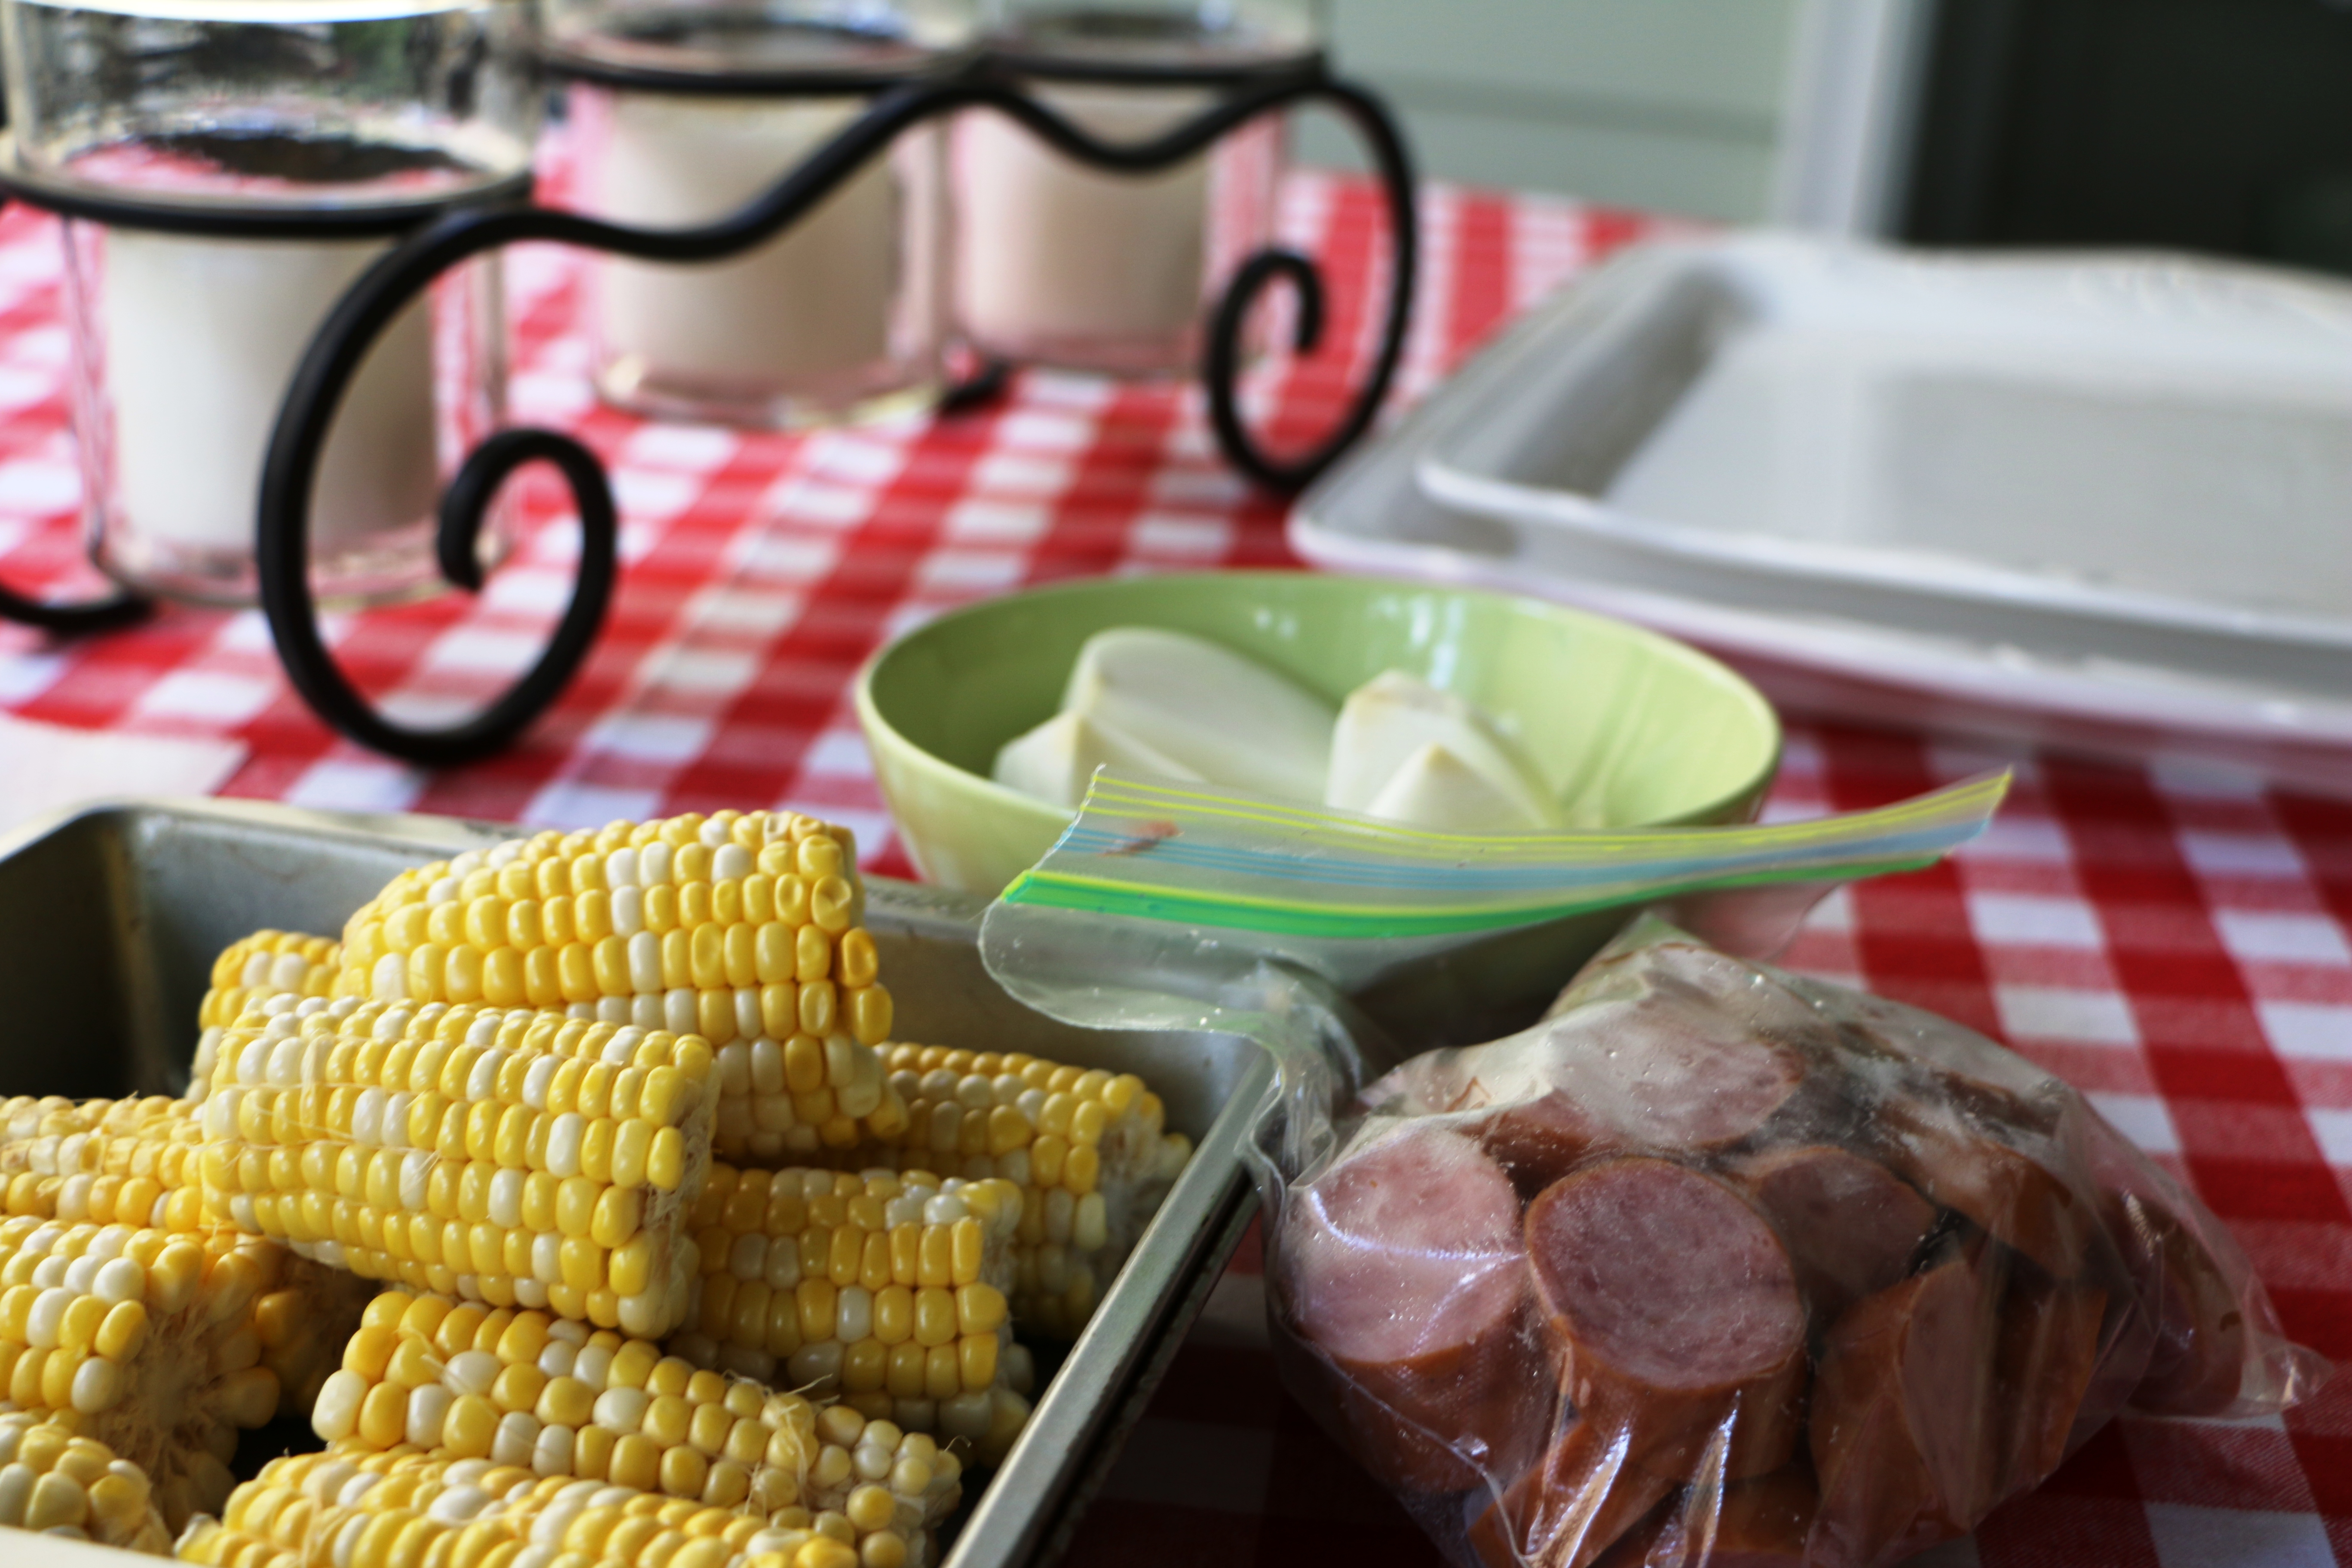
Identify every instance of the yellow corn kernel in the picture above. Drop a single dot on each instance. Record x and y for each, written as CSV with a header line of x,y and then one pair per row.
x,y
707,1426
631,1267
858,963
935,1316
591,1454
981,1308
123,1332
976,1357
384,1415
575,1204
968,1242
666,1160
519,1387
942,1373
669,1376
565,1402
935,1258
817,1301
636,1462
583,1263
819,1007
870,1013
683,1473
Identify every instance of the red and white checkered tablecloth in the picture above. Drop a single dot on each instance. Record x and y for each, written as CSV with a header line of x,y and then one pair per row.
x,y
2178,945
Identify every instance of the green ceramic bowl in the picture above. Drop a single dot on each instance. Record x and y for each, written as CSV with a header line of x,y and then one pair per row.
x,y
1674,736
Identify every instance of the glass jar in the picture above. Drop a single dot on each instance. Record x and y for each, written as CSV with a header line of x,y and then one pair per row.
x,y
685,113
226,168
1063,264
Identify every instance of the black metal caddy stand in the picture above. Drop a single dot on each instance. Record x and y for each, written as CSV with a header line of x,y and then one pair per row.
x,y
443,238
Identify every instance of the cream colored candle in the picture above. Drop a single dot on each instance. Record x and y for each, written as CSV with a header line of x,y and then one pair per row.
x,y
822,315
1069,265
201,338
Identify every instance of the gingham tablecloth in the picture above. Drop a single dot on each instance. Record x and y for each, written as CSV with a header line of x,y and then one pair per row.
x,y
2178,945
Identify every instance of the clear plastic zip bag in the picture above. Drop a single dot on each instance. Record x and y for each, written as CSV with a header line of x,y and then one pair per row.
x,y
1441,938
1711,1264
1721,1264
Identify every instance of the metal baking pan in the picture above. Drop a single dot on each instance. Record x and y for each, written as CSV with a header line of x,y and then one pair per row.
x,y
110,916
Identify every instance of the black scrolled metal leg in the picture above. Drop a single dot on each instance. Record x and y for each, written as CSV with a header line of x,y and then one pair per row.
x,y
120,608
325,373
983,385
1221,359
293,616
396,278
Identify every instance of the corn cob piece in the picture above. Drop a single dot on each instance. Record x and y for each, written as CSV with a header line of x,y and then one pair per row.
x,y
375,1511
127,1162
887,1292
1088,1149
522,1389
254,969
499,1156
144,1340
138,1166
27,1116
61,1484
741,928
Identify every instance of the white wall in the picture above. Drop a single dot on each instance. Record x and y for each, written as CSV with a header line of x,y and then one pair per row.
x,y
1668,104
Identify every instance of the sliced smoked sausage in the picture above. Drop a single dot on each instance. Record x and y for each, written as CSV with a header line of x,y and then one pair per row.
x,y
1760,1522
1763,1522
2127,1338
1403,1264
2197,1359
1851,1224
1902,1423
2006,1189
1568,1507
1673,1311
2043,1364
1962,1063
1628,1076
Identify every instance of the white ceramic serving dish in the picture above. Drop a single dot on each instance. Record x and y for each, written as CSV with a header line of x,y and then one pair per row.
x,y
2101,503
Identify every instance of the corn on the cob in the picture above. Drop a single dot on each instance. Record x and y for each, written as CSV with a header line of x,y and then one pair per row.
x,y
885,1291
1088,1149
379,1510
126,1162
254,969
27,1116
144,1340
138,1166
523,1390
53,1481
741,928
507,1156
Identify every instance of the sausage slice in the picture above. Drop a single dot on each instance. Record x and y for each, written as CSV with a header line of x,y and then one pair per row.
x,y
1630,1075
2197,1359
1403,1264
1966,1063
2004,1189
1674,1313
1851,1224
1568,1507
1761,1522
1901,1424
2043,1366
